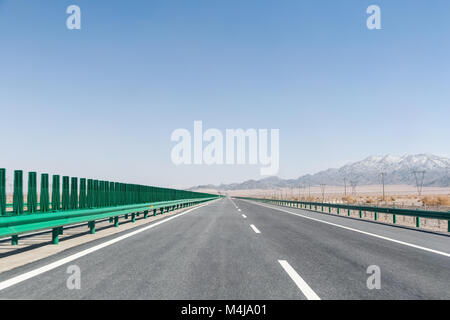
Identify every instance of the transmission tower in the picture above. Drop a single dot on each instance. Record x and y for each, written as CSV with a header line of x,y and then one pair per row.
x,y
419,176
383,175
322,188
353,183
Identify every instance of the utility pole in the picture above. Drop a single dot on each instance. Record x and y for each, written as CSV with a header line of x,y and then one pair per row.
x,y
345,186
309,192
383,174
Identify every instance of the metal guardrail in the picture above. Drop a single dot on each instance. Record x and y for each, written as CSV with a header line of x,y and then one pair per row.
x,y
89,201
15,225
442,215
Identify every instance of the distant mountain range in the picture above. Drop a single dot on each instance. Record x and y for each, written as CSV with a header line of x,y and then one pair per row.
x,y
399,170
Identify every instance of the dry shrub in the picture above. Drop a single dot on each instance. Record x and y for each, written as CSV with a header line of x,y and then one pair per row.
x,y
444,200
436,201
349,199
429,201
370,200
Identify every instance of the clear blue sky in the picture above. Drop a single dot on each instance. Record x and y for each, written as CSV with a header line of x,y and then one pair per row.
x,y
102,101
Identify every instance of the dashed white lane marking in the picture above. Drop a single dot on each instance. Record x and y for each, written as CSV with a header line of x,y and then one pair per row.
x,y
301,284
360,231
28,275
244,216
239,209
255,229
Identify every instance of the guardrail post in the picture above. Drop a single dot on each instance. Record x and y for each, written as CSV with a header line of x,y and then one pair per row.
x,y
32,193
15,240
360,213
154,212
417,222
394,219
55,235
18,192
145,214
337,210
348,212
2,191
133,217
116,222
44,201
65,193
376,216
56,197
92,227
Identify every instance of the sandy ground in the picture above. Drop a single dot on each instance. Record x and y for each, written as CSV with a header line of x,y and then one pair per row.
x,y
333,191
397,195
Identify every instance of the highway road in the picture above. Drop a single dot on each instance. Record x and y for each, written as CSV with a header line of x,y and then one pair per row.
x,y
237,249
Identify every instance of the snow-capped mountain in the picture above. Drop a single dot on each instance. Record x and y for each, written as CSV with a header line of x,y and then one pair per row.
x,y
398,170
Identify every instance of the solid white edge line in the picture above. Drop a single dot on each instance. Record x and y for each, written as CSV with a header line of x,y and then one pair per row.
x,y
255,228
301,284
362,232
234,204
28,275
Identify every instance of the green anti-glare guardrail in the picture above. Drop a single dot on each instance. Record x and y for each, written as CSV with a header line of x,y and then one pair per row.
x,y
15,225
82,200
319,206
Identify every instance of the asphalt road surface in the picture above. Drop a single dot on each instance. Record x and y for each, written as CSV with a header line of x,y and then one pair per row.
x,y
237,249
